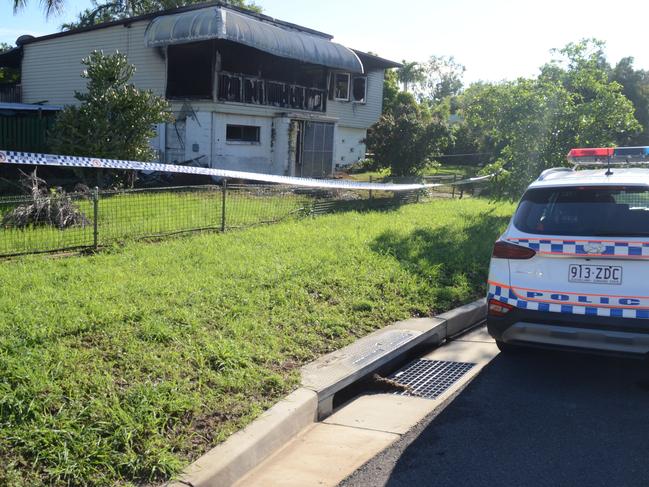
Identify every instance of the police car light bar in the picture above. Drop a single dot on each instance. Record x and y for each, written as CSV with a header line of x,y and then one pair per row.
x,y
609,156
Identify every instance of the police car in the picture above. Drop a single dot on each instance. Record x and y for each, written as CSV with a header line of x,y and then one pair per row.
x,y
572,268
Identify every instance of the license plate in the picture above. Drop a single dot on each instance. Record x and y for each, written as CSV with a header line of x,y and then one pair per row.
x,y
595,274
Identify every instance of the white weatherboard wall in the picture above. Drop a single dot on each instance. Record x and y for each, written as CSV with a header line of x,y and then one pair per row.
x,y
51,69
349,146
360,115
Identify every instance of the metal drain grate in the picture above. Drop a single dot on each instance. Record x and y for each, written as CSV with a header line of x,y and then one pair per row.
x,y
430,378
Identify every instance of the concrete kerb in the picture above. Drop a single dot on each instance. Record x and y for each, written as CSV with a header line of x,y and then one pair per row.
x,y
460,319
321,380
231,460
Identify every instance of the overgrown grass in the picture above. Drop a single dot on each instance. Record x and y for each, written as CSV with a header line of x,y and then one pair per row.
x,y
124,366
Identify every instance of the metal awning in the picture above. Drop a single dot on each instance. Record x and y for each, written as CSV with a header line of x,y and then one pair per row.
x,y
222,23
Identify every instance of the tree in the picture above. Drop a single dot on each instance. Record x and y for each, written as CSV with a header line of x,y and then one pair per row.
x,y
635,86
8,75
50,6
407,137
531,124
441,78
390,90
121,9
410,73
114,120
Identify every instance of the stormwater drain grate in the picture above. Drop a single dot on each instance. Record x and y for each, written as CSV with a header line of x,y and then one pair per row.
x,y
429,378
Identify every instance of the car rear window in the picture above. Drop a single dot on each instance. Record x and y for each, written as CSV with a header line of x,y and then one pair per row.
x,y
585,211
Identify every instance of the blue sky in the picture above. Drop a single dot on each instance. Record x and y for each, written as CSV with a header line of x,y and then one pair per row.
x,y
495,39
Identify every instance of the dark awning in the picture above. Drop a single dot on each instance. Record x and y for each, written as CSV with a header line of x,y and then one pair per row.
x,y
222,23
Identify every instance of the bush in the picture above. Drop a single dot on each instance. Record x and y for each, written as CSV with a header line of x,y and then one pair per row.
x,y
115,119
407,137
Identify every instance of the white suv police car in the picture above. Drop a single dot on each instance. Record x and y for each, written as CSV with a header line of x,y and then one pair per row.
x,y
572,268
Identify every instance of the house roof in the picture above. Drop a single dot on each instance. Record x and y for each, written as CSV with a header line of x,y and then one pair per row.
x,y
187,8
217,22
12,57
373,61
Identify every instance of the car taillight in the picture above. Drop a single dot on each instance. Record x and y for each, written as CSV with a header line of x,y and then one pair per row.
x,y
506,250
498,308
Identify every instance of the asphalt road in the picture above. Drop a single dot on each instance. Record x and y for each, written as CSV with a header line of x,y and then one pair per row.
x,y
538,419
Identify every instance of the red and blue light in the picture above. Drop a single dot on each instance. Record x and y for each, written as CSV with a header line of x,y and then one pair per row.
x,y
609,154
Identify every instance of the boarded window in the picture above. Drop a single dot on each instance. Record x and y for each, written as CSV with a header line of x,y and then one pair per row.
x,y
242,133
190,71
359,89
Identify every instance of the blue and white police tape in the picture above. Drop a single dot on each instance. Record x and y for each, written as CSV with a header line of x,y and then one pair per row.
x,y
33,159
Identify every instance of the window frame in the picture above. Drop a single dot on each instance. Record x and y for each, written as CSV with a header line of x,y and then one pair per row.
x,y
335,75
242,140
363,101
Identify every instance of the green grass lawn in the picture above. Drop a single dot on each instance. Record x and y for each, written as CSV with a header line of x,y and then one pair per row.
x,y
124,366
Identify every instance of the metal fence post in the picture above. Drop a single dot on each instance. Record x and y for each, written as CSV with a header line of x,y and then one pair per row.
x,y
370,189
453,186
224,190
95,224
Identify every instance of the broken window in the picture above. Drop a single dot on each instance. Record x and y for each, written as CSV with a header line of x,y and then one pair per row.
x,y
229,87
297,96
340,84
278,94
190,70
242,133
253,91
359,89
250,76
315,100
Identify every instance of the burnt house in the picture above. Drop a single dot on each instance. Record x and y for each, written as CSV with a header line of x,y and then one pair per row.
x,y
248,92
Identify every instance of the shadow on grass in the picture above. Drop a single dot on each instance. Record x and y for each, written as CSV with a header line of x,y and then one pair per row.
x,y
391,203
453,258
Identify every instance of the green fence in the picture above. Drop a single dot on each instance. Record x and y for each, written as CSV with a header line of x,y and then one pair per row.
x,y
117,216
25,133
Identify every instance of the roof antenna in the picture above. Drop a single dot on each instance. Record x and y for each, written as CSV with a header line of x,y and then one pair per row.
x,y
608,170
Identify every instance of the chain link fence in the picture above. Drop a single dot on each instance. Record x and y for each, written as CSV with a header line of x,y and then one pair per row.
x,y
115,216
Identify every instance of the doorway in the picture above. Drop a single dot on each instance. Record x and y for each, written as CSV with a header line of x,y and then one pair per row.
x,y
314,149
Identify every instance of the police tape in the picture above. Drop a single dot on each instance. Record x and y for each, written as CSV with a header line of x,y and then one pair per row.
x,y
34,159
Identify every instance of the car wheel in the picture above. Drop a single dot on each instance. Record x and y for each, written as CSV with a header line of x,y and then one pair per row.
x,y
507,348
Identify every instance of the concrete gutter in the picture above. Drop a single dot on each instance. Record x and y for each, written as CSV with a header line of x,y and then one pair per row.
x,y
321,380
338,370
244,450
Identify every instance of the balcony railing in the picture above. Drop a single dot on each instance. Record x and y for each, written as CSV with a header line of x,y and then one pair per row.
x,y
10,93
248,89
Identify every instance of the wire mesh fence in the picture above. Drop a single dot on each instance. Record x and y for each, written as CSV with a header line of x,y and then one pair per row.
x,y
107,217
